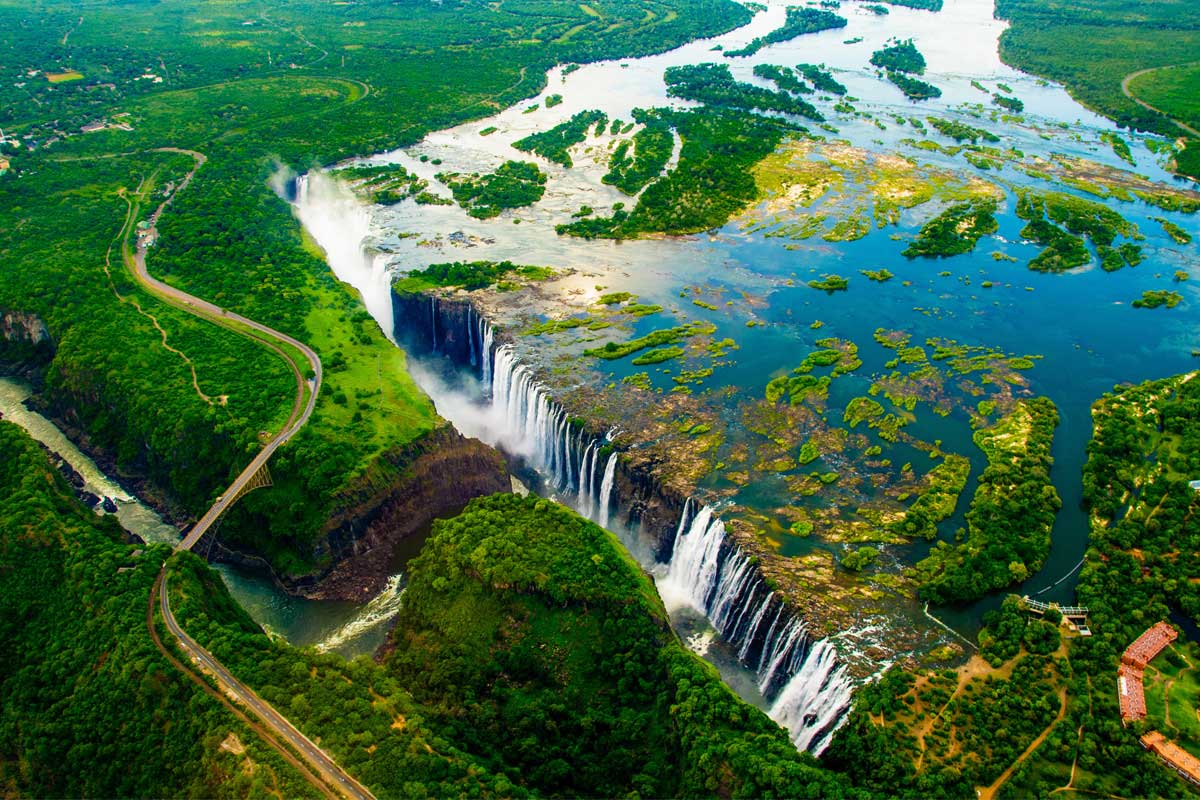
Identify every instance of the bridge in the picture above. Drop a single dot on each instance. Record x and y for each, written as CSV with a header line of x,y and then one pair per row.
x,y
325,774
1076,615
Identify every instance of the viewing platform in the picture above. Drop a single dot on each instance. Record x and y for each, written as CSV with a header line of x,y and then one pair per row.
x,y
1076,616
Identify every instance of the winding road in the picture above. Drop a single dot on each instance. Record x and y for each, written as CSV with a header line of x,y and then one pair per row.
x,y
317,758
135,258
271,725
1129,93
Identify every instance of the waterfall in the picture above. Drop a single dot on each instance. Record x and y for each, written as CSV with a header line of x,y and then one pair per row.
x,y
341,224
433,321
798,675
485,359
610,472
809,691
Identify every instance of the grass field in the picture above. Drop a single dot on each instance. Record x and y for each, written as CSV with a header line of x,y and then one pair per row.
x,y
1172,693
1175,90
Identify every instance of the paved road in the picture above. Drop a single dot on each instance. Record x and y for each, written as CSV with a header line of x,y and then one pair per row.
x,y
326,767
1129,93
271,338
245,696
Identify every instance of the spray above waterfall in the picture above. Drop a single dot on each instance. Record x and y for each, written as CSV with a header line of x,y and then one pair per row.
x,y
807,690
341,225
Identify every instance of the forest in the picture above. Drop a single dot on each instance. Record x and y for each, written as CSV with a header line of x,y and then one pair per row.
x,y
76,661
223,85
799,21
1011,514
1092,46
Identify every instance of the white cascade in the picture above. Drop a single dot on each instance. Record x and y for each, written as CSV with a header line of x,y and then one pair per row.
x,y
606,486
382,608
812,705
808,689
341,224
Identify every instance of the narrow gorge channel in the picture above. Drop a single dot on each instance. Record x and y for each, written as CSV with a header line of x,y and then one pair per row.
x,y
719,603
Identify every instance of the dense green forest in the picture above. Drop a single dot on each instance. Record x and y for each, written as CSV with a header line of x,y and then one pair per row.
x,y
1139,568
710,183
88,706
251,86
1011,514
555,143
798,21
533,637
531,655
1092,46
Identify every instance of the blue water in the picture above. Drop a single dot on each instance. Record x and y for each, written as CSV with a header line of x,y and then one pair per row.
x,y
1081,324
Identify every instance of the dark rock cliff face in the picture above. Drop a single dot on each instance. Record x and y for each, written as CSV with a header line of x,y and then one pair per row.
x,y
441,472
26,347
427,324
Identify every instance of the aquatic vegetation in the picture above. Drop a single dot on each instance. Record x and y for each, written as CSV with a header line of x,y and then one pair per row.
x,y
861,409
553,100
830,283
556,143
669,336
1155,298
514,184
955,231
658,356
799,21
821,79
469,275
878,275
1177,234
856,188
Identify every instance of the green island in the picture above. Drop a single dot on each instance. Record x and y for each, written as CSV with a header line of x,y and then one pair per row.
x,y
1156,298
799,21
555,143
652,146
514,184
1008,524
956,230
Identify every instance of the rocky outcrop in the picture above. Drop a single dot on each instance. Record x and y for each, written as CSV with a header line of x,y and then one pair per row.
x,y
20,326
26,346
439,474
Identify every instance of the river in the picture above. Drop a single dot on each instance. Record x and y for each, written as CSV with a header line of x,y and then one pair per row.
x,y
1079,326
349,629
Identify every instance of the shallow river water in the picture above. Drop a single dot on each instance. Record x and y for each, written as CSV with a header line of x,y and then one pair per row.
x,y
1080,324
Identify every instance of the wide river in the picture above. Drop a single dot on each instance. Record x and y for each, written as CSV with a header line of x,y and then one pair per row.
x,y
1081,323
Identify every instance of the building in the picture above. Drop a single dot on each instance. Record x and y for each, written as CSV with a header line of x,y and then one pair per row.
x,y
1178,759
1149,645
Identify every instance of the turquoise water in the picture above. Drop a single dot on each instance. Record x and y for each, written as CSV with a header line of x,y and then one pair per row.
x,y
350,629
1081,324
